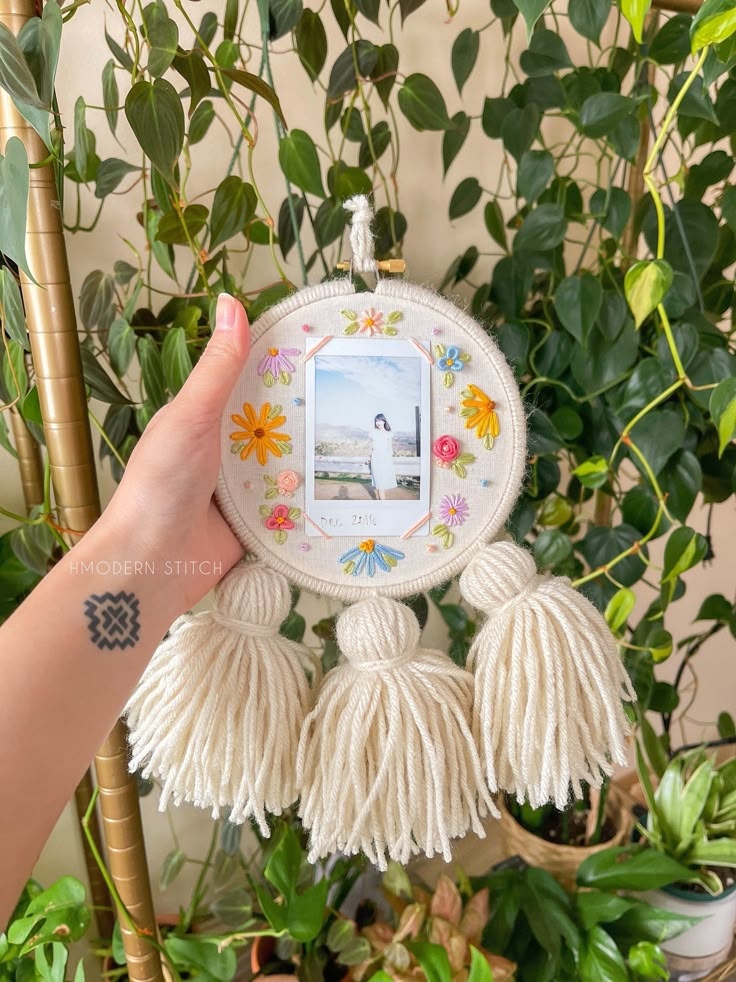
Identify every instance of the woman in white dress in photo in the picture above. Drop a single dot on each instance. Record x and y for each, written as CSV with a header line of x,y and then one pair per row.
x,y
383,474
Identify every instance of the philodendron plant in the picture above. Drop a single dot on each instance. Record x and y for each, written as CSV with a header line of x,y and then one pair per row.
x,y
602,271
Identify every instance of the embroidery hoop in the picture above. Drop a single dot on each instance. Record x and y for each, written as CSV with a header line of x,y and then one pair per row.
x,y
490,487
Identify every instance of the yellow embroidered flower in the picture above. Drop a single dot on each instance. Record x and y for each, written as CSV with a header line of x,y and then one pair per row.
x,y
258,432
479,412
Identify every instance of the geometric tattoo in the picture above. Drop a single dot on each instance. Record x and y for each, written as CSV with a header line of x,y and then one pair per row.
x,y
113,619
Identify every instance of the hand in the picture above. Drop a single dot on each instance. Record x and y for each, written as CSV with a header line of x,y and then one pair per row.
x,y
163,506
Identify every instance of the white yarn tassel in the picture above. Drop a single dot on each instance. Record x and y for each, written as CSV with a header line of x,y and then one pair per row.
x,y
549,681
218,712
387,762
361,237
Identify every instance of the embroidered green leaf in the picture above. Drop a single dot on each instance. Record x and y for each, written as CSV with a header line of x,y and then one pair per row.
x,y
349,315
271,493
488,441
449,380
268,379
439,350
464,458
464,413
459,470
295,513
264,511
390,560
464,358
284,446
279,537
447,539
439,529
275,411
351,329
394,317
268,479
348,567
390,331
236,447
285,378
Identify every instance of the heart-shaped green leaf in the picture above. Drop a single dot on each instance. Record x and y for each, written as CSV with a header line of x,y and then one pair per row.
x,y
645,286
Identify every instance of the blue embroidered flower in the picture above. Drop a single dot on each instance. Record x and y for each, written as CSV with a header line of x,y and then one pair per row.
x,y
451,361
369,556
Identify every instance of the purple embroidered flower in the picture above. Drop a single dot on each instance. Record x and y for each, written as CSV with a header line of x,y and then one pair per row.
x,y
276,365
453,510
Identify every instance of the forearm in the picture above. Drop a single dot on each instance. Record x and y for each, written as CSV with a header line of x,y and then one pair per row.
x,y
70,657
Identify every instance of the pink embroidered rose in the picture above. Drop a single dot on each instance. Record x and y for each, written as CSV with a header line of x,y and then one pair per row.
x,y
287,482
278,520
445,448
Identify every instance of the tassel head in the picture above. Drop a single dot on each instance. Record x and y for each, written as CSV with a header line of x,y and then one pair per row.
x,y
377,633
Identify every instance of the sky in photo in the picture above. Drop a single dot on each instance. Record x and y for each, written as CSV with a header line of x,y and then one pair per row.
x,y
351,391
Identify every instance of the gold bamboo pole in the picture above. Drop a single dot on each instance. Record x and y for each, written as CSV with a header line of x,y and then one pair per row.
x,y
56,358
30,465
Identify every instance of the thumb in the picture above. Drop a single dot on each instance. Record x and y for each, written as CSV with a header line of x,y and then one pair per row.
x,y
213,378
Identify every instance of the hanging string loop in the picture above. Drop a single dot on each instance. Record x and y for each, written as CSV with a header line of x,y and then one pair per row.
x,y
362,239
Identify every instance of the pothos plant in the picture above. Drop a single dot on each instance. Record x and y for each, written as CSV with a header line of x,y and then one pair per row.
x,y
610,226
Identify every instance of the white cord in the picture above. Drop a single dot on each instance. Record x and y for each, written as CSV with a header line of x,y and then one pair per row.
x,y
361,237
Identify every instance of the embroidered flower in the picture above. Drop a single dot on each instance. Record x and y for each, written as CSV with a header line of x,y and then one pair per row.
x,y
368,557
371,322
280,519
450,361
287,482
258,432
445,448
453,509
479,412
275,366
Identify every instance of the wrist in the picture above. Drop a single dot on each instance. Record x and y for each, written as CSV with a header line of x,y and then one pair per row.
x,y
115,556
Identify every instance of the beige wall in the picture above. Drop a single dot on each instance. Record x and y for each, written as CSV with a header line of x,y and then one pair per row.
x,y
432,244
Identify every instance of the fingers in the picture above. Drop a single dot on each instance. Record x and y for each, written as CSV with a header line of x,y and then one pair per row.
x,y
207,390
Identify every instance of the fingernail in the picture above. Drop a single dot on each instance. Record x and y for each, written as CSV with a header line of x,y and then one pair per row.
x,y
225,313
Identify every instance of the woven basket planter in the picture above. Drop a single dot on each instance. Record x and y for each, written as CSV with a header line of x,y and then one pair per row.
x,y
560,860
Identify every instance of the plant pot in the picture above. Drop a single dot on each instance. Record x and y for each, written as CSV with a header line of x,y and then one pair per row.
x,y
705,945
560,860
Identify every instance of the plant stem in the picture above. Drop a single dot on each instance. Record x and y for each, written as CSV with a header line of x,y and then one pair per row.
x,y
198,892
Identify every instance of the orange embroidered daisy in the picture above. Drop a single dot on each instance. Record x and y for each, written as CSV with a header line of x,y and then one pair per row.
x,y
479,412
257,432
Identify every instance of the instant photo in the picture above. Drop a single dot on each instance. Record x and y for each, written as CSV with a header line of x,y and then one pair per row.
x,y
368,442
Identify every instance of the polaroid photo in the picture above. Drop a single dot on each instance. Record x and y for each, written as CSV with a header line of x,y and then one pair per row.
x,y
368,452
